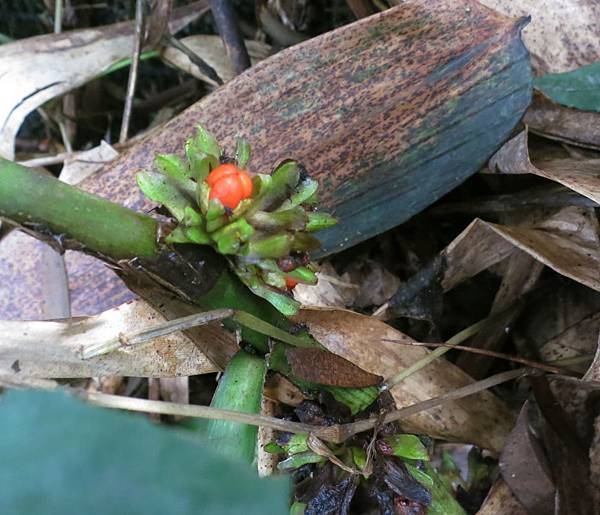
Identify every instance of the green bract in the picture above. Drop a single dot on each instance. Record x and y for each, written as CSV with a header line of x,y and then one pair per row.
x,y
272,225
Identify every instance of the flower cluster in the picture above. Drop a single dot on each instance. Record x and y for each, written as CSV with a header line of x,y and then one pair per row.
x,y
261,222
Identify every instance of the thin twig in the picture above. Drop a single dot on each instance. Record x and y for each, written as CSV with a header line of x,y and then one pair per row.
x,y
493,354
231,35
432,356
335,433
202,65
133,70
149,333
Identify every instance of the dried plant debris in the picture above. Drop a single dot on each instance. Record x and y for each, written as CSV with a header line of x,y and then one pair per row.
x,y
21,353
562,35
361,340
580,175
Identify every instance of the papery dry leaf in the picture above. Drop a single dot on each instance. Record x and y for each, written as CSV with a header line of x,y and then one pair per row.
x,y
563,34
581,175
561,123
481,419
84,164
52,349
38,69
212,52
332,290
500,500
567,242
519,277
579,339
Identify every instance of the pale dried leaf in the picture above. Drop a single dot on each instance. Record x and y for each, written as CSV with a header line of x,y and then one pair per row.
x,y
51,349
581,175
579,339
332,290
480,419
211,50
36,70
84,164
562,35
501,500
567,242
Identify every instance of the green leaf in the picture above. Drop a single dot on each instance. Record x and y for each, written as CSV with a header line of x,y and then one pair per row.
x,y
407,446
318,221
579,88
274,246
242,152
207,143
297,460
305,190
161,189
298,508
172,165
62,457
442,499
359,457
303,275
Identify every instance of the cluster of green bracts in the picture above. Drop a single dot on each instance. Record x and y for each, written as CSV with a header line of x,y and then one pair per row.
x,y
266,237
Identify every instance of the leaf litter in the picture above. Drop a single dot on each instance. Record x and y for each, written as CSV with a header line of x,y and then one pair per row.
x,y
497,268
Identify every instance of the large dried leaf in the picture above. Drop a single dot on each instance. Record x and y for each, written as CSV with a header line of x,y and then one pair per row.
x,y
481,419
501,500
36,70
562,35
567,242
383,112
561,123
581,175
212,52
52,349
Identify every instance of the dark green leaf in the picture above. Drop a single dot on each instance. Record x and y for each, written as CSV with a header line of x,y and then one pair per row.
x,y
579,89
60,456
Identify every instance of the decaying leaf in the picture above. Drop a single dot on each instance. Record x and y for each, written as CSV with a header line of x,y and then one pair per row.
x,y
212,52
332,290
501,500
562,35
567,242
581,175
481,419
52,349
561,123
35,70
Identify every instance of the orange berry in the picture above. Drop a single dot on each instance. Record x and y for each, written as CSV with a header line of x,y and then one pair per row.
x,y
290,283
221,171
229,184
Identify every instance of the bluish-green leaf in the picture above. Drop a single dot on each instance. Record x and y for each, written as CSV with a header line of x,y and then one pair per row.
x,y
61,457
579,88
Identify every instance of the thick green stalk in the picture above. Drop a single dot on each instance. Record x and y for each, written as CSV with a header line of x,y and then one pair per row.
x,y
43,203
240,389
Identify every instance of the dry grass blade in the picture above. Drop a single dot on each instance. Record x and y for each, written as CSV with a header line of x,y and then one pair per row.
x,y
335,433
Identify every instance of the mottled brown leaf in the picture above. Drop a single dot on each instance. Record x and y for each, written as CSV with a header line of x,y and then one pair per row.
x,y
323,367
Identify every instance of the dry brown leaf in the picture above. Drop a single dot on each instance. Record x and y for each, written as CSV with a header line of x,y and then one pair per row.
x,y
212,51
500,500
480,419
52,349
561,123
567,242
36,70
318,366
579,339
562,35
581,175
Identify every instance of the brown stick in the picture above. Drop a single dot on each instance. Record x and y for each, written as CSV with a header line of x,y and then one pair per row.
x,y
230,34
133,71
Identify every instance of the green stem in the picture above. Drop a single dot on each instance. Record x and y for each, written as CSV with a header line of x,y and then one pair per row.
x,y
240,389
43,203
